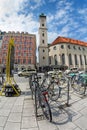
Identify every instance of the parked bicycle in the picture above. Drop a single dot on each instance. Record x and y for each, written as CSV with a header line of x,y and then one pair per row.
x,y
79,83
41,100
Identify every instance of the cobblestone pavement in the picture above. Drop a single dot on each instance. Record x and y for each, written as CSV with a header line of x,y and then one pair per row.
x,y
17,113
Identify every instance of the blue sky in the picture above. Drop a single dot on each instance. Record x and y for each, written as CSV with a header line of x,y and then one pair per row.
x,y
66,18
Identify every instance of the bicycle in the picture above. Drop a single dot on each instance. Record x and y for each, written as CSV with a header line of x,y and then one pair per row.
x,y
53,88
79,83
41,101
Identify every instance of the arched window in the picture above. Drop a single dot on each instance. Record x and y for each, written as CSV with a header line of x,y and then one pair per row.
x,y
85,60
55,60
76,62
63,58
81,60
70,59
49,59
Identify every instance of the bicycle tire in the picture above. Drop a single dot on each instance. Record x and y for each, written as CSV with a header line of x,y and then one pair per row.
x,y
45,108
79,88
54,92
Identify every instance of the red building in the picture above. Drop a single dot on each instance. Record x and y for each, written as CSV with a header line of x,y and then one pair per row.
x,y
25,49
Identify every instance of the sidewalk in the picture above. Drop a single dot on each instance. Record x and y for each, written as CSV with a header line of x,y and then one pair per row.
x,y
17,113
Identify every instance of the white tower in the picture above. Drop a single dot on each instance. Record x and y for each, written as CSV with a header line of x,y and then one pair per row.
x,y
43,46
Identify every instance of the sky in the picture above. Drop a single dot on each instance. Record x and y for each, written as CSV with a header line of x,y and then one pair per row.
x,y
67,18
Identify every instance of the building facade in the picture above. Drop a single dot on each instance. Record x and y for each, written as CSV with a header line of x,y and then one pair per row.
x,y
69,52
43,45
25,49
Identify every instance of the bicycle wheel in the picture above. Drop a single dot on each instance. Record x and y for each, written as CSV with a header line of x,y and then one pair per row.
x,y
54,91
45,107
79,88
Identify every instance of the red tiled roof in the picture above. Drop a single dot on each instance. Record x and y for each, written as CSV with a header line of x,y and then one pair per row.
x,y
68,40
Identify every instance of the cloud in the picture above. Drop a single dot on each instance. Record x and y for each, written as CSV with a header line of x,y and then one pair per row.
x,y
10,20
52,36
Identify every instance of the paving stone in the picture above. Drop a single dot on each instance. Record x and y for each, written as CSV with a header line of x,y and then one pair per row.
x,y
7,106
84,111
77,106
14,117
28,112
3,120
28,122
72,113
12,126
31,129
81,122
1,128
67,126
77,128
4,112
17,108
46,125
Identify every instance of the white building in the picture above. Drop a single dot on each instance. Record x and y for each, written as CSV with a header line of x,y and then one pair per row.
x,y
70,52
63,51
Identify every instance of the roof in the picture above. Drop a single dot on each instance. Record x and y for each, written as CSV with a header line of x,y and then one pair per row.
x,y
42,15
68,40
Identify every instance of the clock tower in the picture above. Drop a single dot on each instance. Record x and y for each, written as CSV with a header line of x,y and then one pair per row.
x,y
43,46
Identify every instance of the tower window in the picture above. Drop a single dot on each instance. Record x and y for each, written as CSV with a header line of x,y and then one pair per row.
x,y
43,24
43,50
43,57
42,41
43,34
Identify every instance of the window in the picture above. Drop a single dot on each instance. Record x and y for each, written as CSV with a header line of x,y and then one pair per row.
x,y
43,34
24,61
18,61
42,41
85,60
43,24
24,54
30,48
63,59
55,60
83,49
70,59
69,46
19,53
76,63
74,47
62,46
54,48
29,61
0,37
79,48
43,50
43,57
49,59
80,59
